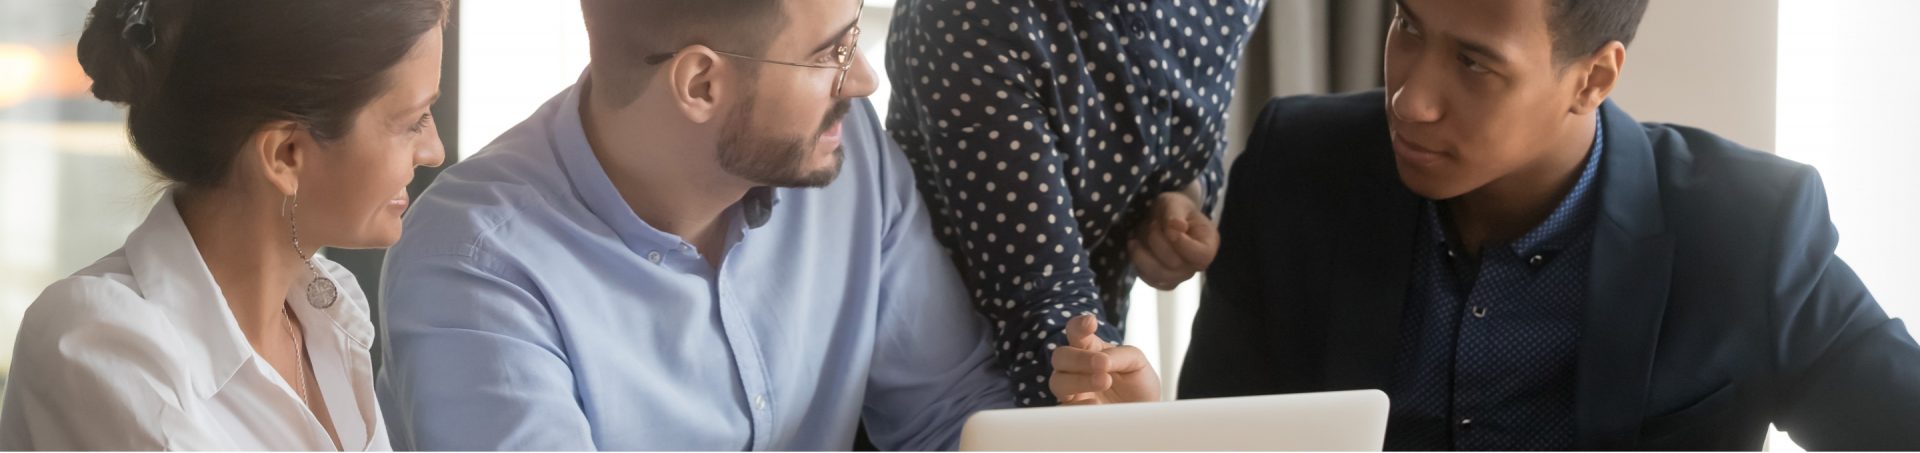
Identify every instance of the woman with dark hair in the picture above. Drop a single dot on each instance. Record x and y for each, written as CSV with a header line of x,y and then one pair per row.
x,y
282,127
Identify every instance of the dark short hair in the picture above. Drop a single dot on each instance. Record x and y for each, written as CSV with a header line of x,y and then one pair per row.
x,y
1580,27
200,77
623,33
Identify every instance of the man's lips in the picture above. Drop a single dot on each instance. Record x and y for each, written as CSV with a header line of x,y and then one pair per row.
x,y
1413,152
830,128
832,133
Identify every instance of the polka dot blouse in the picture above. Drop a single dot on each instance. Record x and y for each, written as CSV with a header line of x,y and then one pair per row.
x,y
1039,131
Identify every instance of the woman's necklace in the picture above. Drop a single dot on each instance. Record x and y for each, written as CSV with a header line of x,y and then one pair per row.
x,y
300,363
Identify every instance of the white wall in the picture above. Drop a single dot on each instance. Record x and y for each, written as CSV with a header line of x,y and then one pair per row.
x,y
1847,108
1708,64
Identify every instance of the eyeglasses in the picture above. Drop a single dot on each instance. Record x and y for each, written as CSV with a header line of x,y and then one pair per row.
x,y
843,54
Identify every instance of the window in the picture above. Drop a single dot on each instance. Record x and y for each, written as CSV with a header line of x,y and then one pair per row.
x,y
519,53
71,187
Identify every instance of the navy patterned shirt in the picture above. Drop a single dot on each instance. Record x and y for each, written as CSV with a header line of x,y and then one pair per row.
x,y
1487,348
1039,131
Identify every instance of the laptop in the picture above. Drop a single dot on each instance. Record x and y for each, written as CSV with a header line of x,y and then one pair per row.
x,y
1332,421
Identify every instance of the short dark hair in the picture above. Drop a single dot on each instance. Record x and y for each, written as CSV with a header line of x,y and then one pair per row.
x,y
1580,27
202,76
623,33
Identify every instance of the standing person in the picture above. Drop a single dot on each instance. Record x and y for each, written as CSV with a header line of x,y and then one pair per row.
x,y
1064,147
281,126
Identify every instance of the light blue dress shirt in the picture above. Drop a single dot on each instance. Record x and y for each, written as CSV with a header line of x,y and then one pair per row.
x,y
527,307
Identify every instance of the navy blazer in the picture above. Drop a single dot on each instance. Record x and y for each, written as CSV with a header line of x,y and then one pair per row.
x,y
1715,302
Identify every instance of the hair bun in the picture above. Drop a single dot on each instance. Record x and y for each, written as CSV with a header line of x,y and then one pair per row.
x,y
122,72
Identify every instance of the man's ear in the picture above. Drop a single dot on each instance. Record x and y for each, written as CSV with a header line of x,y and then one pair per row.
x,y
1601,74
277,152
695,79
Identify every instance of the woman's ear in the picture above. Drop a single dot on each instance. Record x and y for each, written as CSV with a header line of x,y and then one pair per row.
x,y
277,152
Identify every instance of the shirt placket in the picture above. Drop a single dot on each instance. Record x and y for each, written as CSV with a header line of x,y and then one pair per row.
x,y
747,356
1477,333
1156,89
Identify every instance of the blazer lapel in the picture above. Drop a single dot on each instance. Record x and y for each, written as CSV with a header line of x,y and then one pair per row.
x,y
1626,291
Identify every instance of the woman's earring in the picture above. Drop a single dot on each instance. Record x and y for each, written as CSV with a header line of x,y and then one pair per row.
x,y
321,292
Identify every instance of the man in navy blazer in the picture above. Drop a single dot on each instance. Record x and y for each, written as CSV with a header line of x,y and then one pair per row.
x,y
1522,265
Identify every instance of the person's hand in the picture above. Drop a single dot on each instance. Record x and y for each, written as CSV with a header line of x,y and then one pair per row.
x,y
1176,241
1091,371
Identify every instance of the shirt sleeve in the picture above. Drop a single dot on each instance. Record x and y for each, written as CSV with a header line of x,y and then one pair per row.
x,y
91,375
473,361
932,364
968,103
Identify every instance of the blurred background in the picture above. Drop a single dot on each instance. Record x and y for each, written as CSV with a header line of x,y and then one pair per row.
x,y
1824,82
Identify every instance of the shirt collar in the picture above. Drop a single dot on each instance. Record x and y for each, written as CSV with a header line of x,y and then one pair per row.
x,y
174,278
1575,212
171,275
1573,215
596,190
758,205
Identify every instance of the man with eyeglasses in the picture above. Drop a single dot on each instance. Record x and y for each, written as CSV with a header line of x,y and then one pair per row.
x,y
689,249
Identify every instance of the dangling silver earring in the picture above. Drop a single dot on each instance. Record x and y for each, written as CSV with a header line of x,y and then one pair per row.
x,y
321,292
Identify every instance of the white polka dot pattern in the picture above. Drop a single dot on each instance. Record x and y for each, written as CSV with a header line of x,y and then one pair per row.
x,y
1039,130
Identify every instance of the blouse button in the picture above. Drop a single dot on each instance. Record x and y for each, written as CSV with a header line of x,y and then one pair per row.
x,y
1136,26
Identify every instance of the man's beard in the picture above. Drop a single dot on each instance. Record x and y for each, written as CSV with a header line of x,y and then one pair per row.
x,y
775,161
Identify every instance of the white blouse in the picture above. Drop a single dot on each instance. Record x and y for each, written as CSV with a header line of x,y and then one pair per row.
x,y
139,352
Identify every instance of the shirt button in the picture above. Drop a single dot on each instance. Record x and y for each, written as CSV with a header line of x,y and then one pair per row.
x,y
1451,254
1537,260
760,402
1479,311
1466,424
654,256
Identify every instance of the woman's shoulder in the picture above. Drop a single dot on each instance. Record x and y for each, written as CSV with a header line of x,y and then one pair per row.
x,y
95,317
104,295
96,366
92,340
